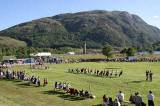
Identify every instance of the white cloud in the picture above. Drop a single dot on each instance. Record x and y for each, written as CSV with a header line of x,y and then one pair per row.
x,y
155,17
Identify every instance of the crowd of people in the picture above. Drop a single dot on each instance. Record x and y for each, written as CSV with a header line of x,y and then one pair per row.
x,y
35,80
134,99
8,74
149,75
107,73
59,85
72,91
133,60
22,75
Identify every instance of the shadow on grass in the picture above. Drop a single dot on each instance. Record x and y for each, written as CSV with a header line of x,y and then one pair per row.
x,y
17,80
13,80
28,85
72,97
5,79
112,68
98,105
92,60
136,81
64,95
51,92
24,85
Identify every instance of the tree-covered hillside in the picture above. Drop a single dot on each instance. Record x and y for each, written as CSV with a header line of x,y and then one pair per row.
x,y
118,28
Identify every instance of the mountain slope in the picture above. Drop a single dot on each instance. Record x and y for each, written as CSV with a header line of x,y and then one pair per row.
x,y
117,28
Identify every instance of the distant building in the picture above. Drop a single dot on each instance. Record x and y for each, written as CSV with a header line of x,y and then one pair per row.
x,y
17,61
9,59
41,54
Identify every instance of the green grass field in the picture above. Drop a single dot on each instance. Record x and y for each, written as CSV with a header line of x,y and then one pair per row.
x,y
14,93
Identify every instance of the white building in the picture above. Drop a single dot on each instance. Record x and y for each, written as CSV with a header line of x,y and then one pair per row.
x,y
41,54
71,53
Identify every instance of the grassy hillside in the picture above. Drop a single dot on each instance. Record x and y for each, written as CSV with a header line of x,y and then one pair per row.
x,y
10,42
118,28
19,94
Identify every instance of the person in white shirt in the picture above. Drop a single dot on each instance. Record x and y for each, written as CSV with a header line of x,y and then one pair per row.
x,y
120,96
150,98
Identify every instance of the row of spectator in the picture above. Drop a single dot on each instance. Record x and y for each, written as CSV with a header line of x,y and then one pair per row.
x,y
72,91
134,99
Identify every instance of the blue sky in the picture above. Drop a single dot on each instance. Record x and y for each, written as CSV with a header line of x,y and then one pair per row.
x,y
13,12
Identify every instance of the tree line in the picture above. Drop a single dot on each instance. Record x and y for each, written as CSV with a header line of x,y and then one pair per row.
x,y
23,52
107,50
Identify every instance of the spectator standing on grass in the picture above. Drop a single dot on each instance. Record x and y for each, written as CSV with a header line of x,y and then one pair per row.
x,y
116,73
138,99
18,73
38,82
120,96
150,98
111,74
44,82
150,75
147,72
97,72
107,73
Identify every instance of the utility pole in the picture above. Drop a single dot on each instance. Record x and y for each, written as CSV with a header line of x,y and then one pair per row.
x,y
30,55
84,48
